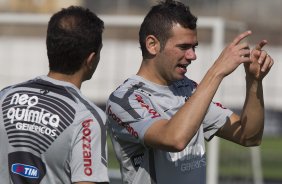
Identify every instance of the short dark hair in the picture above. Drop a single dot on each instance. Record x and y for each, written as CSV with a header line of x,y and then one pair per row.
x,y
72,34
159,22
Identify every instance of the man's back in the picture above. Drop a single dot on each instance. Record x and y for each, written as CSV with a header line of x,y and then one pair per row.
x,y
48,131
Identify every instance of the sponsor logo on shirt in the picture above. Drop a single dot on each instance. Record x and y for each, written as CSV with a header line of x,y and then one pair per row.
x,y
118,120
192,157
152,111
86,147
25,170
24,110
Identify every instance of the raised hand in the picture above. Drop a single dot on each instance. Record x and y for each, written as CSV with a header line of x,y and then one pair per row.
x,y
261,62
233,55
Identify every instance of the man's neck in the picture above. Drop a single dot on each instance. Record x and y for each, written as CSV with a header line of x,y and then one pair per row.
x,y
74,78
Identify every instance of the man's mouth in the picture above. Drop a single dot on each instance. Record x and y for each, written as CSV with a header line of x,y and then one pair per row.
x,y
183,66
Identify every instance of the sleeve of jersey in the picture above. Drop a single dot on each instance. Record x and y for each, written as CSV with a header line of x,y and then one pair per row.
x,y
215,118
87,162
130,117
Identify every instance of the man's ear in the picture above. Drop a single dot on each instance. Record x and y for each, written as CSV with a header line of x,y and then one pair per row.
x,y
152,44
90,60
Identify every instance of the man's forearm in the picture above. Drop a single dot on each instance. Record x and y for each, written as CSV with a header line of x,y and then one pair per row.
x,y
252,116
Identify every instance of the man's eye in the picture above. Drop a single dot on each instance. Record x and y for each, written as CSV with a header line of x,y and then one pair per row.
x,y
187,47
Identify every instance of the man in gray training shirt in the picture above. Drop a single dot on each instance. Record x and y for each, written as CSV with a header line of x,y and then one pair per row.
x,y
49,132
159,119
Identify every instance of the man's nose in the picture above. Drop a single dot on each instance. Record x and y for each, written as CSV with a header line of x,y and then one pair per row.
x,y
190,54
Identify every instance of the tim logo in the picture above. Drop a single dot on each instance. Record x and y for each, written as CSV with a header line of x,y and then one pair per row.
x,y
25,170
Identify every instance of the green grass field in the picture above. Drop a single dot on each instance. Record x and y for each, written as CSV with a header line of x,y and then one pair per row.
x,y
235,160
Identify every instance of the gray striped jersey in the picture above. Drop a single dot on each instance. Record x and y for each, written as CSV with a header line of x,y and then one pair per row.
x,y
50,134
133,107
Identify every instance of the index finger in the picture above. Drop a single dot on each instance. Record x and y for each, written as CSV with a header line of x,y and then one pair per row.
x,y
241,37
261,45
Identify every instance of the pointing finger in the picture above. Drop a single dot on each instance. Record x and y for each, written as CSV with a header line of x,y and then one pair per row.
x,y
261,45
241,37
